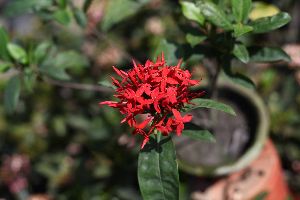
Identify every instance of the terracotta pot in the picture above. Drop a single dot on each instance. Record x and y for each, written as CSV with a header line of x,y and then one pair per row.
x,y
263,175
190,154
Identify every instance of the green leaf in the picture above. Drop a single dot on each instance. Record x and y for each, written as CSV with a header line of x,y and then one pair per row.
x,y
199,135
209,103
241,9
240,29
62,16
169,50
4,66
266,24
80,17
3,44
29,79
61,3
268,54
55,72
238,78
240,51
87,4
19,7
215,15
158,171
17,53
70,59
261,196
41,51
193,40
119,10
192,12
107,84
12,94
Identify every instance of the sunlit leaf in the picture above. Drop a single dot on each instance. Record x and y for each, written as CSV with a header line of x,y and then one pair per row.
x,y
17,53
192,12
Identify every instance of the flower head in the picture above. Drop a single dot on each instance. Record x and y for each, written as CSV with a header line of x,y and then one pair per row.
x,y
158,90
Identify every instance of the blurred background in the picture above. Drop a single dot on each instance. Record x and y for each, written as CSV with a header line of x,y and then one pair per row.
x,y
59,144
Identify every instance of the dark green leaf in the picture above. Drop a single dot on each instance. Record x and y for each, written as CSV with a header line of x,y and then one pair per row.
x,y
86,5
215,15
268,54
3,44
12,94
192,12
17,53
41,51
241,9
169,50
158,171
239,78
193,40
209,103
240,29
199,135
62,16
261,196
80,17
61,3
266,24
240,51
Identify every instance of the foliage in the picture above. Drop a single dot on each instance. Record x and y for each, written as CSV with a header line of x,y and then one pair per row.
x,y
49,78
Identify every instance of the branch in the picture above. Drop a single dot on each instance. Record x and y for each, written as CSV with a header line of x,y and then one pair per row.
x,y
79,86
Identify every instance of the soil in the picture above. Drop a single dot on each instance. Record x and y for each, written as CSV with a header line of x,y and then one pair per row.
x,y
233,134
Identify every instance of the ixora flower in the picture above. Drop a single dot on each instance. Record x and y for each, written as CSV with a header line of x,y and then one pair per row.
x,y
158,90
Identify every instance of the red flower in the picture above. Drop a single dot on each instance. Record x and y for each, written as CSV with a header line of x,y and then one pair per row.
x,y
155,89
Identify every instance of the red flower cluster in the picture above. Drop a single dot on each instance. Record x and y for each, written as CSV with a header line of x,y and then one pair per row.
x,y
157,90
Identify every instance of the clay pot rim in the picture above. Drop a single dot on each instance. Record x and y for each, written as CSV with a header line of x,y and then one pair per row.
x,y
252,152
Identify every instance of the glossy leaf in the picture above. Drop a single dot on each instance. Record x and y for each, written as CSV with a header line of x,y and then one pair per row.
x,y
209,103
266,24
241,9
158,171
199,135
240,51
268,54
215,15
192,12
17,53
62,16
12,94
193,40
240,29
3,44
263,9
